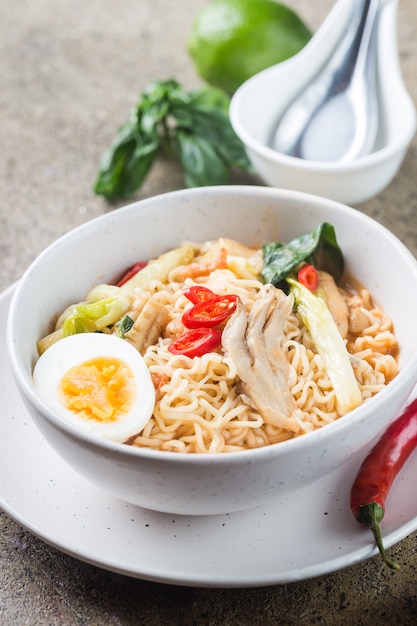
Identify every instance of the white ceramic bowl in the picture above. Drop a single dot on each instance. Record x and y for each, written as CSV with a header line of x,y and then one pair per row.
x,y
101,249
258,104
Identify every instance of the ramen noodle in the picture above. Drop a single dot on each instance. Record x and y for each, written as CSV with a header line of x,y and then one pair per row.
x,y
199,406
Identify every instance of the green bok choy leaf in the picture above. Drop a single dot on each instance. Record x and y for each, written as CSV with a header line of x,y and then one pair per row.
x,y
318,248
329,344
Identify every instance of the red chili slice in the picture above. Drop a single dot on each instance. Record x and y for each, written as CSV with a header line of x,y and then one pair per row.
x,y
198,293
196,342
308,277
210,313
131,272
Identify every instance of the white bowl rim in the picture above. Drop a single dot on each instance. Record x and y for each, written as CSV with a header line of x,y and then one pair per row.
x,y
228,458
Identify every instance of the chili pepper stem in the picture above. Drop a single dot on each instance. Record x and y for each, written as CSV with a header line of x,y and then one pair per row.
x,y
371,515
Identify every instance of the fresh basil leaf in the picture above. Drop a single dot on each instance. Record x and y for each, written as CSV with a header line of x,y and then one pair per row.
x,y
114,160
319,248
162,89
214,126
182,117
200,161
152,116
193,126
125,165
215,99
137,167
232,150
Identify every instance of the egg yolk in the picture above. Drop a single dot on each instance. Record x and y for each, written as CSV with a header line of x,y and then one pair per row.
x,y
102,389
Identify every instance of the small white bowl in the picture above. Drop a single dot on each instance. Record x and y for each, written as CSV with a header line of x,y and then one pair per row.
x,y
258,104
102,248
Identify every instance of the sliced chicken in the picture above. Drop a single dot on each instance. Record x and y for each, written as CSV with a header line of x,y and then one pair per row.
x,y
334,300
254,343
358,320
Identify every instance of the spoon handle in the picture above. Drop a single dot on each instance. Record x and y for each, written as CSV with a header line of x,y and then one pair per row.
x,y
350,67
351,58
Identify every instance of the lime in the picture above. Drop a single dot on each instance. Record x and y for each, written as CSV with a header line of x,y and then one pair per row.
x,y
231,40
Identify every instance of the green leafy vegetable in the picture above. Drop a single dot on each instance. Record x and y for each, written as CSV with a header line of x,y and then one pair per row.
x,y
106,305
124,326
193,127
318,248
329,344
92,316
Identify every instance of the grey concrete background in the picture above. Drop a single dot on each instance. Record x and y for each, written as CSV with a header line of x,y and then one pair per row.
x,y
70,72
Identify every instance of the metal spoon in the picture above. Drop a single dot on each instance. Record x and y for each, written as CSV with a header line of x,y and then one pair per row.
x,y
336,117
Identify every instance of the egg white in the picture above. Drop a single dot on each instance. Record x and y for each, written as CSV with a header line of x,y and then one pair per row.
x,y
75,350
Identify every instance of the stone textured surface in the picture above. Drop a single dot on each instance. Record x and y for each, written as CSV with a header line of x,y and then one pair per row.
x,y
70,71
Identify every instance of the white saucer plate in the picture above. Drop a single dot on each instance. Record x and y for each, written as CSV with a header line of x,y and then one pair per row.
x,y
309,534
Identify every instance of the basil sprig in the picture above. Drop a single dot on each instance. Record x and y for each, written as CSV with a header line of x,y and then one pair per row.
x,y
193,127
318,248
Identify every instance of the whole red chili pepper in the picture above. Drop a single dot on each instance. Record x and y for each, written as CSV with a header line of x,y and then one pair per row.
x,y
378,471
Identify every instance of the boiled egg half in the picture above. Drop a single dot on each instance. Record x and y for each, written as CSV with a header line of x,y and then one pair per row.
x,y
97,382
